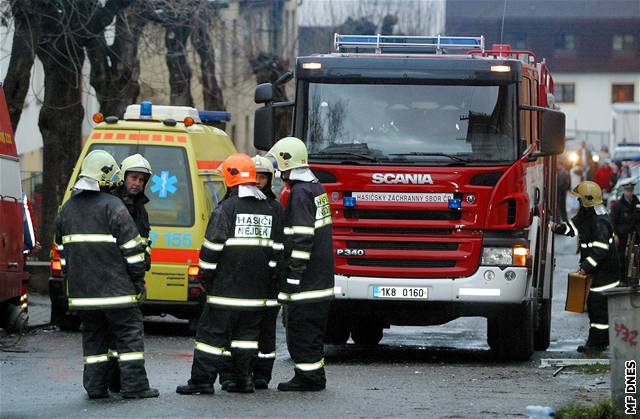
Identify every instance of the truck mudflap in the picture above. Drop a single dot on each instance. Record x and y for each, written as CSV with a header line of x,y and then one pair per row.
x,y
488,284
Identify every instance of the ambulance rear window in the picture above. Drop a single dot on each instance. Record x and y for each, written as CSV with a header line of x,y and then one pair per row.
x,y
169,189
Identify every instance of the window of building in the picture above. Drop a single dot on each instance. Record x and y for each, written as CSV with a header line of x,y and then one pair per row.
x,y
517,40
623,43
565,41
622,92
565,92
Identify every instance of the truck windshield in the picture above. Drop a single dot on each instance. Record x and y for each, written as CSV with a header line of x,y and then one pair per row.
x,y
448,124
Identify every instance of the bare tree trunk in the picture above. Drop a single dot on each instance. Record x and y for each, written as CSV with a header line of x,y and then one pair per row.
x,y
25,39
179,71
201,40
115,69
60,124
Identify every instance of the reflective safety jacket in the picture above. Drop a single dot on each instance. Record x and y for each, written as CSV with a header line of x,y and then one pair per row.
x,y
308,245
598,255
140,217
101,252
242,247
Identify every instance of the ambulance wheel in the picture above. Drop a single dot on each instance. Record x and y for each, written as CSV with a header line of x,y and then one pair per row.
x,y
366,334
193,325
510,334
64,320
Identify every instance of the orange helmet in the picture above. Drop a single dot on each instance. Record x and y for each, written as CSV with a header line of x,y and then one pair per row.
x,y
238,169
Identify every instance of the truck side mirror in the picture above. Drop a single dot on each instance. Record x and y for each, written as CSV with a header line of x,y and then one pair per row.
x,y
553,131
264,93
263,129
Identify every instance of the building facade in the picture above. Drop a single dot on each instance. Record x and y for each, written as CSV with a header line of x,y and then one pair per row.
x,y
592,49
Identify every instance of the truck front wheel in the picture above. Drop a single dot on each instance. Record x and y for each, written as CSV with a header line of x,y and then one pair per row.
x,y
543,329
366,333
510,334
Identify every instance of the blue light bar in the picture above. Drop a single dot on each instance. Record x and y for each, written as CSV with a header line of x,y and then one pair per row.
x,y
214,116
455,203
146,110
349,201
386,42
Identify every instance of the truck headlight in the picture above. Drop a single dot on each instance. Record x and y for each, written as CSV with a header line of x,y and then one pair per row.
x,y
497,256
516,256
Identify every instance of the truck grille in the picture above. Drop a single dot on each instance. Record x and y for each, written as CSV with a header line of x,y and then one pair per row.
x,y
402,263
401,215
391,245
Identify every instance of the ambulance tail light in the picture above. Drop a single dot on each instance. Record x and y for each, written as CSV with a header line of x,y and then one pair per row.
x,y
193,271
195,288
56,268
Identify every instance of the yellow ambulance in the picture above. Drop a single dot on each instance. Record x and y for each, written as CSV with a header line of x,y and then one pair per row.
x,y
184,152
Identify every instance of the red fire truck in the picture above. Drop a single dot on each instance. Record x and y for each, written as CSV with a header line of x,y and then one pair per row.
x,y
13,275
438,156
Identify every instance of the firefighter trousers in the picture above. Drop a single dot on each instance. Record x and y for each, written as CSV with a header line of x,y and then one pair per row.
x,y
224,333
263,365
599,319
124,327
306,326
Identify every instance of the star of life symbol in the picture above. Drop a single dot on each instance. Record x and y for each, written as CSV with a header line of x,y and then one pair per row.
x,y
164,184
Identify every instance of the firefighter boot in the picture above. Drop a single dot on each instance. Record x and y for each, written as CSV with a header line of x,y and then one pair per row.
x,y
295,385
191,388
260,384
142,394
244,385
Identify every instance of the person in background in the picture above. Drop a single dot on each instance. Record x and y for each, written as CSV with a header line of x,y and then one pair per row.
x,y
603,176
563,187
30,241
598,258
626,220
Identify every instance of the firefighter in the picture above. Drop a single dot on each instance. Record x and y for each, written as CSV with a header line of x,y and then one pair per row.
x,y
238,260
104,263
263,365
598,258
626,219
136,171
309,284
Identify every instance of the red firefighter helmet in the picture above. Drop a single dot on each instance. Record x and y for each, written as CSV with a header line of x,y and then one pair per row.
x,y
238,169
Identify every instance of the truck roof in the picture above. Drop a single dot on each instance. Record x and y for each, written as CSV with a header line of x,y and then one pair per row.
x,y
399,67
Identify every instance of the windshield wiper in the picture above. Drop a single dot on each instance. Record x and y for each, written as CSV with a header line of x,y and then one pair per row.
x,y
422,153
343,153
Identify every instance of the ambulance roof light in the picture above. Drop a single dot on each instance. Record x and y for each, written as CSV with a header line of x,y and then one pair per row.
x,y
145,110
390,42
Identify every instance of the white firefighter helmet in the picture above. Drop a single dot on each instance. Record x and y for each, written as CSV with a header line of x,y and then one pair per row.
x,y
290,153
101,167
263,164
135,163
